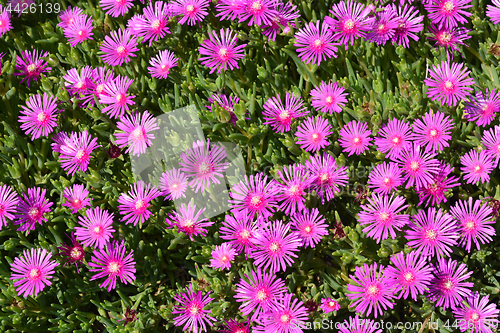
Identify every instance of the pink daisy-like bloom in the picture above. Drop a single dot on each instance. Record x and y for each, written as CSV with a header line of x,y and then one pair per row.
x,y
135,203
259,11
173,184
477,166
232,326
448,83
8,204
260,291
381,216
474,223
309,226
483,108
418,166
315,44
116,97
32,65
69,15
137,24
447,288
434,192
329,305
96,228
287,317
312,134
79,83
113,263
476,314
190,311
385,178
285,15
80,30
222,256
101,77
327,177
75,154
449,38
296,180
60,139
76,198
31,208
371,290
448,13
349,22
409,24
254,196
432,232
118,48
354,137
188,220
275,247
162,64
5,20
154,22
205,164
328,97
73,254
280,116
228,9
491,140
39,115
433,131
383,26
32,271
221,52
135,132
241,232
493,11
115,8
358,325
226,103
192,11
394,137
410,273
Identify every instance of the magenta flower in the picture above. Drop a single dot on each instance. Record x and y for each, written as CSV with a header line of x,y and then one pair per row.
x,y
5,20
434,192
173,184
312,134
314,44
222,256
254,196
78,84
39,115
448,83
433,131
381,216
96,228
221,52
329,305
474,223
296,180
354,137
260,292
118,48
8,204
80,30
394,137
309,226
31,209
409,24
205,164
371,290
328,97
69,15
226,103
383,26
449,38
113,263
190,311
188,220
162,64
135,203
287,317
448,13
432,232
483,108
75,155
286,13
60,139
73,254
385,178
447,288
259,11
477,166
32,65
135,132
492,11
154,23
101,78
327,177
116,8
191,10
241,232
232,326
275,247
33,270
349,22
358,325
418,166
477,315
137,24
280,116
411,274
491,140
116,97
229,9
76,198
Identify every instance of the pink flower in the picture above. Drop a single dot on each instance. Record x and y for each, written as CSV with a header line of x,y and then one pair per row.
x,y
31,209
418,166
222,256
221,52
329,305
5,20
116,97
491,140
354,137
241,232
296,180
75,155
79,84
383,26
327,177
349,22
69,15
96,228
118,48
409,24
312,134
394,137
434,192
32,65
477,315
229,9
154,23
483,107
80,30
73,254
60,139
448,13
162,64
259,11
314,44
134,204
433,131
173,184
8,204
191,10
385,178
39,115
188,220
328,97
286,13
135,132
449,38
476,166
280,116
309,226
116,8
101,77
76,198
190,311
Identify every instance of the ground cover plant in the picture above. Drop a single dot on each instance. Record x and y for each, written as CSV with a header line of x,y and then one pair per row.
x,y
249,166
